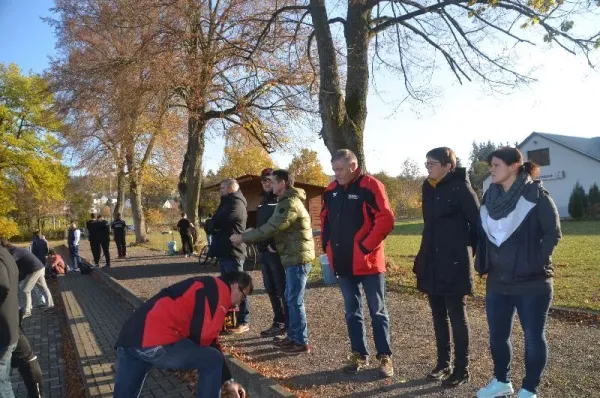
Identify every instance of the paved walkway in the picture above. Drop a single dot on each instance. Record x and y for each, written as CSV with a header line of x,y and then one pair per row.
x,y
44,335
95,315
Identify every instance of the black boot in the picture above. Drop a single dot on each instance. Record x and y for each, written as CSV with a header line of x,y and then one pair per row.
x,y
458,377
440,372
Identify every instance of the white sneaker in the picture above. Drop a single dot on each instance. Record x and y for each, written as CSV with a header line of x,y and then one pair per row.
x,y
523,393
76,270
495,389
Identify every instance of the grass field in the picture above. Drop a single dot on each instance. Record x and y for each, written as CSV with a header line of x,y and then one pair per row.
x,y
576,260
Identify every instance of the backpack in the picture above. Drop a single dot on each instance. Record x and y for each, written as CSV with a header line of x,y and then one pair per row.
x,y
85,269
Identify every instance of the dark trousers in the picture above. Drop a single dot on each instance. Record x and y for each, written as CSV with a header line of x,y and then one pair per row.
x,y
229,265
120,243
274,281
186,243
450,311
105,244
533,313
95,247
25,361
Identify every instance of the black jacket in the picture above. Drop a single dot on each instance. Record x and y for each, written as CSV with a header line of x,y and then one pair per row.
x,y
522,260
230,218
264,212
9,301
92,228
444,264
27,262
102,231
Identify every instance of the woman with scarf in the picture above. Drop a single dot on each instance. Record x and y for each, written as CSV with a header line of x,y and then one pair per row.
x,y
444,265
519,229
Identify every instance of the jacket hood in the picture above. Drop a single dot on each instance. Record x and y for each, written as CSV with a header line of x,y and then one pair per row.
x,y
297,192
459,174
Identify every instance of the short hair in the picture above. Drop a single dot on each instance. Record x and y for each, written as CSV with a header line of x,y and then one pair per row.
x,y
118,214
510,156
99,216
92,215
231,183
444,155
345,154
51,252
284,175
243,279
5,243
183,215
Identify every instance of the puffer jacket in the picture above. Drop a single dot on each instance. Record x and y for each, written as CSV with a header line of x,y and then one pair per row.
x,y
290,227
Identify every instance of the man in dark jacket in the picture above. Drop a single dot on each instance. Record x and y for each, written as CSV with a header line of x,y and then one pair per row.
x,y
32,272
93,238
185,232
355,219
9,317
272,270
103,231
444,263
119,228
178,329
230,218
39,247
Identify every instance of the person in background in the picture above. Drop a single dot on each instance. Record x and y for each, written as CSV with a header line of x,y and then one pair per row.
x,y
93,238
73,237
443,266
290,226
209,236
179,329
119,228
519,229
355,219
55,264
229,219
184,227
9,318
103,234
39,247
32,272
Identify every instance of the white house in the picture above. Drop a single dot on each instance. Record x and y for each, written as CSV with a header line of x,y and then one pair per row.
x,y
170,204
563,161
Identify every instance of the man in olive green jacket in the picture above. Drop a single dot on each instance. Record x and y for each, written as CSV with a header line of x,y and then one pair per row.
x,y
291,228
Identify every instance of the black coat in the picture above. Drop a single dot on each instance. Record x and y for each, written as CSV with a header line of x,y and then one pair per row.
x,y
444,264
230,218
264,211
9,302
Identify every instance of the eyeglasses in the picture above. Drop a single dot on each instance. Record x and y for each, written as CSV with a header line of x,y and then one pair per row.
x,y
431,163
263,180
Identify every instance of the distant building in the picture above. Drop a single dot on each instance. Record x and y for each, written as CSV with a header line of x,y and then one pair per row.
x,y
170,204
563,161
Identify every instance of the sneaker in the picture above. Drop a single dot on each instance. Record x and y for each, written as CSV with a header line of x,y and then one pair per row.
x,y
76,270
239,329
283,342
356,362
97,265
440,372
386,368
495,389
26,315
273,331
457,378
523,393
295,349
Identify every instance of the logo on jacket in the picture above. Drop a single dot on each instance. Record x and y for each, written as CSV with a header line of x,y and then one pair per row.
x,y
352,196
334,194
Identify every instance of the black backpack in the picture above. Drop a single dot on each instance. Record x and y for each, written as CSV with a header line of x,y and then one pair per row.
x,y
85,269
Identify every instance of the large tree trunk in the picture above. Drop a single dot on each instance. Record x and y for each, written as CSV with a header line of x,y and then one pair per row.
x,y
135,195
343,119
190,178
121,187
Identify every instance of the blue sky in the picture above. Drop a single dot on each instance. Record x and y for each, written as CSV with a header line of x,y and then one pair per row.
x,y
563,101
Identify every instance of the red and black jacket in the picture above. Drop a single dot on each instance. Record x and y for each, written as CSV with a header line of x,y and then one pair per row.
x,y
191,309
355,219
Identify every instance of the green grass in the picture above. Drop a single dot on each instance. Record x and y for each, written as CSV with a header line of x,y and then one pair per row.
x,y
157,240
576,261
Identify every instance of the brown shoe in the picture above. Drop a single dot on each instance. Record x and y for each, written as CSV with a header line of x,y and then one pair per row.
x,y
295,349
283,343
386,368
239,329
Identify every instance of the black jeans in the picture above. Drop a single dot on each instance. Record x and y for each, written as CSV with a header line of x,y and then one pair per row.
x,y
120,243
446,311
105,250
186,243
274,281
95,247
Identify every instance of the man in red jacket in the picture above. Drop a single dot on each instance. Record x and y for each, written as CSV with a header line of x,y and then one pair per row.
x,y
178,329
355,219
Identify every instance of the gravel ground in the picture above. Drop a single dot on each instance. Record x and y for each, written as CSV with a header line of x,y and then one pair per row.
x,y
572,371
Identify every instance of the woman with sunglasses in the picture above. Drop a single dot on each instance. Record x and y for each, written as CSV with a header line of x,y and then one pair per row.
x,y
444,263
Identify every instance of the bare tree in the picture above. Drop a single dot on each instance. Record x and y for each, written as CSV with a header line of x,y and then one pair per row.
x,y
473,37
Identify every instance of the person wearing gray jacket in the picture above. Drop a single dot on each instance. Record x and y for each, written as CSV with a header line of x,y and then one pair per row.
x,y
519,229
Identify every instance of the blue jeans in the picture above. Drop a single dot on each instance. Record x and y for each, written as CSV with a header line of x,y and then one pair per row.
x,y
374,288
295,286
273,274
75,260
133,365
533,313
230,265
6,390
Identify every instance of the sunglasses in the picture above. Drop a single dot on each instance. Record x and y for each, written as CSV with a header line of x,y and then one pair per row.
x,y
266,180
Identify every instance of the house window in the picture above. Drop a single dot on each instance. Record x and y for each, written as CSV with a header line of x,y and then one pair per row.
x,y
541,157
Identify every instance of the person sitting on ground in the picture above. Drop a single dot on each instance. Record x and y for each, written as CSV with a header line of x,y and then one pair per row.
x,y
178,329
55,264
